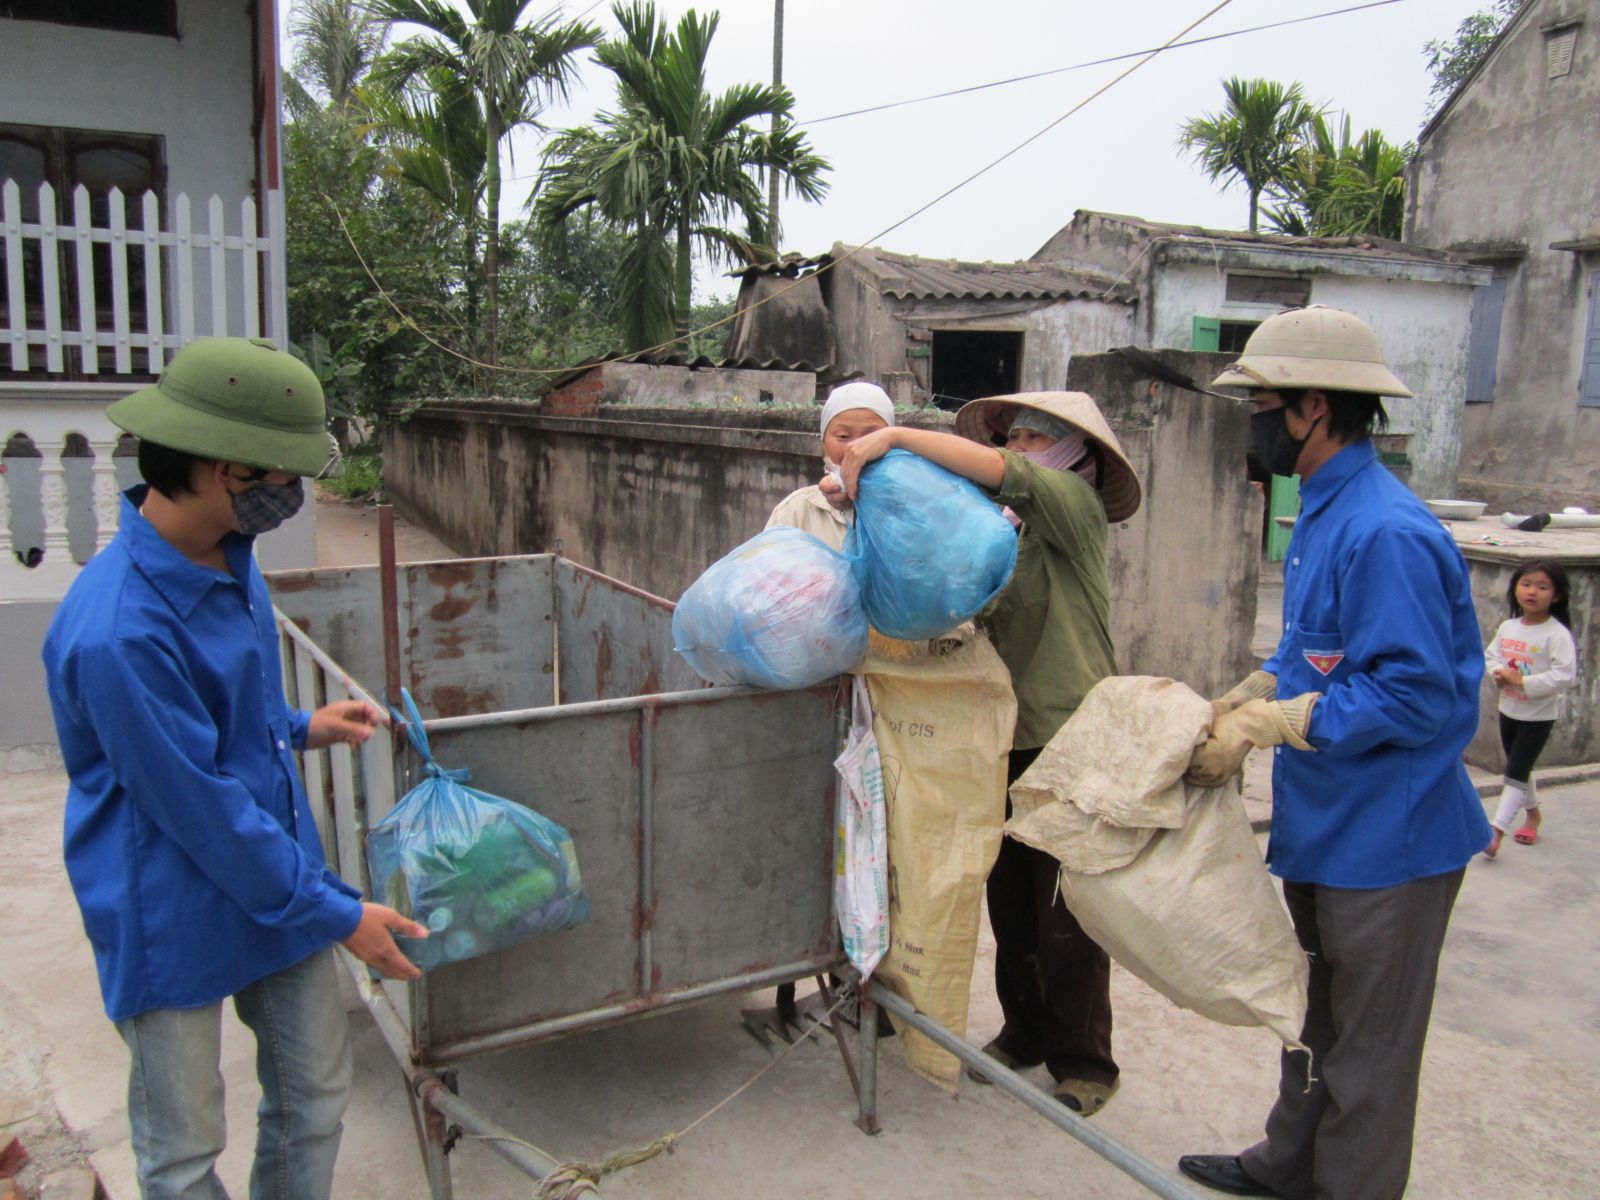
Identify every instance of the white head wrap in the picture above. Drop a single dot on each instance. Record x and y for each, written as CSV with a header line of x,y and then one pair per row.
x,y
857,395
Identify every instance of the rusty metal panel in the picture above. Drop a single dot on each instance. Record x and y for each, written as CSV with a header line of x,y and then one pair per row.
x,y
743,834
581,773
615,640
478,635
337,608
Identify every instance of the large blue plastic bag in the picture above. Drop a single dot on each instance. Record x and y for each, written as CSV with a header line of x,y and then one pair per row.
x,y
929,548
480,872
783,610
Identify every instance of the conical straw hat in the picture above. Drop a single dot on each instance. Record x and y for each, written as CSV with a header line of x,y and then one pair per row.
x,y
988,420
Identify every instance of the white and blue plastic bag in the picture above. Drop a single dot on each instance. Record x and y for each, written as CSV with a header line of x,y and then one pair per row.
x,y
783,610
861,842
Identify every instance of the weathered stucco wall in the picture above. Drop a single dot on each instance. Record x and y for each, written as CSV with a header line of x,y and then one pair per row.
x,y
1512,161
876,333
654,498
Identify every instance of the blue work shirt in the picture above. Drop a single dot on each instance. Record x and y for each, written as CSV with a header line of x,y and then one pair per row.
x,y
1378,617
189,842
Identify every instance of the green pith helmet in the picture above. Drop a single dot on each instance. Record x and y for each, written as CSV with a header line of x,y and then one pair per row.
x,y
1315,347
235,400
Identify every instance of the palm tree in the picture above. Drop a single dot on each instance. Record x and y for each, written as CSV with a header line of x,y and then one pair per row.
x,y
511,69
1254,139
338,43
434,141
1336,187
673,165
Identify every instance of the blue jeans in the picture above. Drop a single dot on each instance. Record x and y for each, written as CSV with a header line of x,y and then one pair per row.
x,y
175,1098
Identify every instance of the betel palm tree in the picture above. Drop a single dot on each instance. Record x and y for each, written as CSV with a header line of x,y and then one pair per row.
x,y
513,69
673,166
433,141
1338,187
338,41
1254,139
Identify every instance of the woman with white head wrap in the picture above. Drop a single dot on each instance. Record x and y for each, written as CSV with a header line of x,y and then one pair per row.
x,y
1063,478
853,410
943,714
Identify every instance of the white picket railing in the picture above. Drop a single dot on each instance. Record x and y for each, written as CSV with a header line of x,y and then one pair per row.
x,y
74,316
75,322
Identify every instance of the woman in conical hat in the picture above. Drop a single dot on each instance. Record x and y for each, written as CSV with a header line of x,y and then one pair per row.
x,y
1052,460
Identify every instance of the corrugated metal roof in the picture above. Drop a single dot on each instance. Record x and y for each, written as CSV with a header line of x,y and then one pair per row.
x,y
908,276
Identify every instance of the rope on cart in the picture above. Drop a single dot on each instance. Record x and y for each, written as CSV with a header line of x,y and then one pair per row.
x,y
571,1180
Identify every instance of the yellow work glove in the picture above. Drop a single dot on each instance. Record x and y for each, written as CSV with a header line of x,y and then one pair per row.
x,y
1253,723
1258,685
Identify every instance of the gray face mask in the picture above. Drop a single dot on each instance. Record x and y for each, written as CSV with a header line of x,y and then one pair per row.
x,y
264,506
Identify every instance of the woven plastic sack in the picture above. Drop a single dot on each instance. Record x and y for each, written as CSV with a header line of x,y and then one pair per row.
x,y
482,873
780,611
930,549
861,842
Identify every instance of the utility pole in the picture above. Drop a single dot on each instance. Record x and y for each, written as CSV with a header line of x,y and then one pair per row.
x,y
777,81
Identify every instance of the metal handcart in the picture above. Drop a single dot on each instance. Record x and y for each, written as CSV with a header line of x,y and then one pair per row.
x,y
703,817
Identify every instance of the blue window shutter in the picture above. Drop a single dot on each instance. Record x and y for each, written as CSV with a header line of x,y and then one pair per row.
x,y
1589,380
1484,344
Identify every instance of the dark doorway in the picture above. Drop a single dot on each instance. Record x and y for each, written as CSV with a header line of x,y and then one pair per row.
x,y
970,366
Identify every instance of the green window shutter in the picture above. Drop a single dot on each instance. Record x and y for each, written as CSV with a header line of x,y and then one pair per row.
x,y
1207,334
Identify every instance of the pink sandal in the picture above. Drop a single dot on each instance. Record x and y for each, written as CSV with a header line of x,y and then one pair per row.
x,y
1526,836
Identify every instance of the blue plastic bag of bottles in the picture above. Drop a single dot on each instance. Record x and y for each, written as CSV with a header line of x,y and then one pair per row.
x,y
783,610
480,872
929,548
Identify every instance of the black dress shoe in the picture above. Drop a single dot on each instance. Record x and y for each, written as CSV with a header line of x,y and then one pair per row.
x,y
1223,1172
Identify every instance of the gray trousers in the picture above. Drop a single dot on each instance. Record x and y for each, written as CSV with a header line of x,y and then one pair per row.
x,y
1374,961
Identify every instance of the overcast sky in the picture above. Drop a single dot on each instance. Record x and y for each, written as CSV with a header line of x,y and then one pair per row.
x,y
1117,154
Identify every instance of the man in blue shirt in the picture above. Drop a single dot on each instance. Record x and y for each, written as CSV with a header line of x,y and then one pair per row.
x,y
189,842
1373,817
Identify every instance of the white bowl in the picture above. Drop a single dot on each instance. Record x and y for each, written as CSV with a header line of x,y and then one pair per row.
x,y
1456,510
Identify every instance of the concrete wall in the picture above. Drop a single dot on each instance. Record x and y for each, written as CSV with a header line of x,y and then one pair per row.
x,y
27,730
1576,737
654,498
1512,160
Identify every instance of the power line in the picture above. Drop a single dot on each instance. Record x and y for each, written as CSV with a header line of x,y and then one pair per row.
x,y
1099,62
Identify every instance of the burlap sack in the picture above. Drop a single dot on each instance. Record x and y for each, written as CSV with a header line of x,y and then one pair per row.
x,y
944,715
1193,913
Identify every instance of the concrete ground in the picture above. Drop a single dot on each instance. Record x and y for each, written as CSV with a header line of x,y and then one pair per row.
x,y
1511,1080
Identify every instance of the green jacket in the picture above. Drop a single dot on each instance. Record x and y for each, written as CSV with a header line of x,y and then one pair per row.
x,y
1052,623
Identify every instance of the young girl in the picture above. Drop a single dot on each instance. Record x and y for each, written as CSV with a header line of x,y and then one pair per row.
x,y
1532,660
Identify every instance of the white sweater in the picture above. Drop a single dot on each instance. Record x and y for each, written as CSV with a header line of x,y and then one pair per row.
x,y
1548,660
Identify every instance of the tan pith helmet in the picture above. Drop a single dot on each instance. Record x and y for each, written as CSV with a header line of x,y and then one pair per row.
x,y
988,420
1316,347
235,400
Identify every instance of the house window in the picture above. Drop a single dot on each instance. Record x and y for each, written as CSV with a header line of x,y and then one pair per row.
x,y
1285,291
1232,335
134,16
1589,380
1558,43
969,365
1483,363
98,160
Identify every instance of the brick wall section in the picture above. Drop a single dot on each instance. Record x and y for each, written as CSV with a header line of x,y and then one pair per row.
x,y
580,398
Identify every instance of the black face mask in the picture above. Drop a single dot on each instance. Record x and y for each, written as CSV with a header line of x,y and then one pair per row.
x,y
1274,448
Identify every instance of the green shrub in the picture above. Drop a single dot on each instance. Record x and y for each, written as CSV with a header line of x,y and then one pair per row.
x,y
361,479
